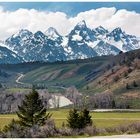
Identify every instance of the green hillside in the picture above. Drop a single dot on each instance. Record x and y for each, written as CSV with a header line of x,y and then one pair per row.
x,y
55,74
113,74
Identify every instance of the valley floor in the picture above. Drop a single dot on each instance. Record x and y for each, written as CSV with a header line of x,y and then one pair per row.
x,y
100,119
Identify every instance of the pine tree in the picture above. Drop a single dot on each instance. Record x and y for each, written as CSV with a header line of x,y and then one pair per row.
x,y
79,120
84,119
32,112
73,119
113,104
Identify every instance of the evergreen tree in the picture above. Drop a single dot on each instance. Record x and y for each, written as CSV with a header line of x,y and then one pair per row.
x,y
113,104
73,119
32,112
79,120
84,119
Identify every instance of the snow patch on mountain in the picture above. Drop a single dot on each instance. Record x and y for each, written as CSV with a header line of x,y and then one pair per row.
x,y
92,44
76,38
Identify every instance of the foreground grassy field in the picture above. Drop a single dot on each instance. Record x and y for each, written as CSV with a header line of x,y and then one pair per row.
x,y
101,120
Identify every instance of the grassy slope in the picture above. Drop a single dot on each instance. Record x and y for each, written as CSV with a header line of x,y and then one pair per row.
x,y
81,74
62,74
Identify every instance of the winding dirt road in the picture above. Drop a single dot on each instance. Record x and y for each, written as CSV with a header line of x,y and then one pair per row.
x,y
19,77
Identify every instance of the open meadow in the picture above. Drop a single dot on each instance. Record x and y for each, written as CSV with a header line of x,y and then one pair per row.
x,y
100,119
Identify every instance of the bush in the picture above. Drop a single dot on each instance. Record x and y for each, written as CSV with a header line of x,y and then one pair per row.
x,y
45,131
135,84
116,78
65,132
128,129
13,130
91,130
125,74
129,70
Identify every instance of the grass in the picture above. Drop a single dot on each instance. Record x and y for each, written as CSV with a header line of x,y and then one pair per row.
x,y
101,120
15,90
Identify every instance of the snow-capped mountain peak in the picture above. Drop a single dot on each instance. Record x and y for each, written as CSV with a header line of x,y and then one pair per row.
x,y
101,30
22,33
117,30
52,33
81,24
39,34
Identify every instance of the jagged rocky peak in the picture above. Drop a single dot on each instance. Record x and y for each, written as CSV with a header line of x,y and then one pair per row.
x,y
117,30
23,33
39,34
81,24
101,30
117,33
52,33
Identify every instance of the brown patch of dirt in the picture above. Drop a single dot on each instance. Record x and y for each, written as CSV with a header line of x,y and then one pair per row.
x,y
109,75
132,95
69,74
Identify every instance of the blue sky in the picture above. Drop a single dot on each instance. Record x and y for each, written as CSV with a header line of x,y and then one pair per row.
x,y
70,8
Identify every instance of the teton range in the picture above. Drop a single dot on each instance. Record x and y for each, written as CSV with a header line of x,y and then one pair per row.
x,y
82,42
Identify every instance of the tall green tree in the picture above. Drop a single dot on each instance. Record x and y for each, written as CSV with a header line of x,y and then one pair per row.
x,y
73,119
79,119
32,112
84,118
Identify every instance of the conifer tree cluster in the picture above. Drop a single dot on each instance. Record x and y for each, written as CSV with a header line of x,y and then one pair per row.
x,y
79,119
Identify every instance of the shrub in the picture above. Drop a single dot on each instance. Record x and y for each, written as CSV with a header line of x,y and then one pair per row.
x,y
45,131
125,74
66,131
91,130
129,70
13,130
116,78
134,83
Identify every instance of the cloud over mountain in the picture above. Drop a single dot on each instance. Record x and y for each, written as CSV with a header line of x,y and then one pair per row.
x,y
35,20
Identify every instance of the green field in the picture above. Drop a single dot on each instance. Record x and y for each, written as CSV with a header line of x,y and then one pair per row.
x,y
101,120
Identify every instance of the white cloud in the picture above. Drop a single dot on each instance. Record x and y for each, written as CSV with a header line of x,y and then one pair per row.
x,y
34,20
